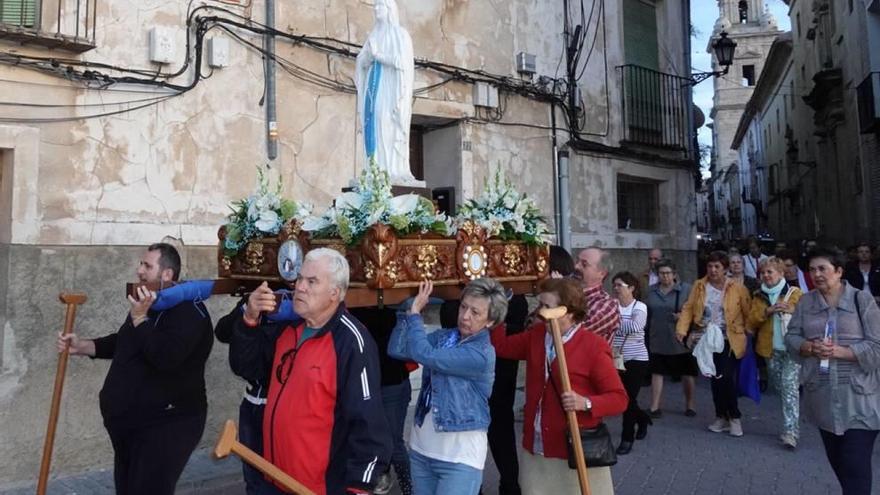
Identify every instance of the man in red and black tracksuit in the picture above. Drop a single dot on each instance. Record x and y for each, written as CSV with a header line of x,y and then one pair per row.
x,y
323,424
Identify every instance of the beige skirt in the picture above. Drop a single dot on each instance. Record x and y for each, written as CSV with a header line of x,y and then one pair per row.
x,y
539,475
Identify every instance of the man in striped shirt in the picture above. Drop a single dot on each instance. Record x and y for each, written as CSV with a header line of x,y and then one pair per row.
x,y
592,268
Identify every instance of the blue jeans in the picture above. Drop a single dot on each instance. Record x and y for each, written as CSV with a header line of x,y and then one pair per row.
x,y
434,477
395,401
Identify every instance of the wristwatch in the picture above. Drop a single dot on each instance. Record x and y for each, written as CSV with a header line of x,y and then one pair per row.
x,y
588,404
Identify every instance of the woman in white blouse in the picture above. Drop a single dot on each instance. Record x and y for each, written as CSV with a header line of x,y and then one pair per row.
x,y
629,341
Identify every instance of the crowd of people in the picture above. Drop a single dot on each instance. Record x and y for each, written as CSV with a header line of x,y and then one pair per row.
x,y
329,388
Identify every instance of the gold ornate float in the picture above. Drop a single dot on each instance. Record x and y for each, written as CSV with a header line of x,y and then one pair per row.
x,y
386,268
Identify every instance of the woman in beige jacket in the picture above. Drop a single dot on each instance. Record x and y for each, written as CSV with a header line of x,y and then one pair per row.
x,y
724,302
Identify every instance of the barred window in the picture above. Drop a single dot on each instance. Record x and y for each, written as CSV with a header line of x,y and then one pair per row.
x,y
637,203
19,12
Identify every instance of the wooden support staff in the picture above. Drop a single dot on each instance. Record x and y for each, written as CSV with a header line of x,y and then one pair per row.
x,y
551,315
228,443
72,301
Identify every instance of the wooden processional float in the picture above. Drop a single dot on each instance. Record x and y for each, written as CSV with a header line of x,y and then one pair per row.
x,y
384,268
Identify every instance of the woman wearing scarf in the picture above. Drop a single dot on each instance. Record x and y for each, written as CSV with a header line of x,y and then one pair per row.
x,y
448,443
772,306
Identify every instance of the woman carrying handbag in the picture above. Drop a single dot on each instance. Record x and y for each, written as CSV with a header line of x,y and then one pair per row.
x,y
597,392
629,344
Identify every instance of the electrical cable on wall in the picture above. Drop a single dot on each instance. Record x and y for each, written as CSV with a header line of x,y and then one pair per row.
x,y
92,74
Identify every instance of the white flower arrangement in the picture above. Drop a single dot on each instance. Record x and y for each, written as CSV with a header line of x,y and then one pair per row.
x,y
260,214
370,203
504,213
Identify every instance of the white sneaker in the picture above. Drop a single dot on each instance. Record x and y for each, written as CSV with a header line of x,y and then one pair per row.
x,y
789,440
720,425
736,428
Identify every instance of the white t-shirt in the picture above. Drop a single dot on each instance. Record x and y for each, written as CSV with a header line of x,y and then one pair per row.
x,y
465,447
750,265
714,300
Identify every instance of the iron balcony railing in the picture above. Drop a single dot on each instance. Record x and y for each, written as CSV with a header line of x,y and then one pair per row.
x,y
65,24
655,107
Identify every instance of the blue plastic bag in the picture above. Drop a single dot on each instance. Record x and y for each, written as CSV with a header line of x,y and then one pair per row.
x,y
285,311
190,290
747,380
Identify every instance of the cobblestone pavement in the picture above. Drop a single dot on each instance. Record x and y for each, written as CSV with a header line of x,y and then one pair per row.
x,y
678,457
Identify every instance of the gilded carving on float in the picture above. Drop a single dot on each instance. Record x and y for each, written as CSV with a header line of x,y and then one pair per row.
x,y
426,261
513,258
253,257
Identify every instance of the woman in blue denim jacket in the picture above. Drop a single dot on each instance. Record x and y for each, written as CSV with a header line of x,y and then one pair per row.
x,y
448,442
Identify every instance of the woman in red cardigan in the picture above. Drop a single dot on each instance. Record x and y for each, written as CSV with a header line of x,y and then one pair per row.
x,y
596,391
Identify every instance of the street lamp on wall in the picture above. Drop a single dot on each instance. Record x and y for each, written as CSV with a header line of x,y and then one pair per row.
x,y
724,49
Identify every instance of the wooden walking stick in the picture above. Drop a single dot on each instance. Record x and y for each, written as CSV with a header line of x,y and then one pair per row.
x,y
228,443
72,300
551,315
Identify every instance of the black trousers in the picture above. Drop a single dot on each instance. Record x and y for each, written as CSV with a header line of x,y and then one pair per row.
x,y
148,460
724,393
850,457
250,434
501,435
632,382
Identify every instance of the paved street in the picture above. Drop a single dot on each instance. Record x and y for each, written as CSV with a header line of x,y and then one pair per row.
x,y
678,457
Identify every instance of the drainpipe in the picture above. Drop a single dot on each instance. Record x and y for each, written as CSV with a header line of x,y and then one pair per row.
x,y
564,202
691,131
271,118
556,209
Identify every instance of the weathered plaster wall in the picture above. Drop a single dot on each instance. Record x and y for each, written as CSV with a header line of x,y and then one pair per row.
x,y
594,205
173,167
31,277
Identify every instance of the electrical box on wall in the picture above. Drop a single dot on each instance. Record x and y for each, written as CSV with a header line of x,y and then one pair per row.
x,y
485,95
162,46
218,52
525,63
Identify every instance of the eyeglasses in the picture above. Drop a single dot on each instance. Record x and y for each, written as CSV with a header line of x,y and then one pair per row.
x,y
621,285
285,366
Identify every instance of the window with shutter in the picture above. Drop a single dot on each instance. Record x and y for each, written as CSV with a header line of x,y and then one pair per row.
x,y
19,12
640,34
642,88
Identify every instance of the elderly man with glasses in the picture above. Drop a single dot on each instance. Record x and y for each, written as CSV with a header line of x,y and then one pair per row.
x,y
324,423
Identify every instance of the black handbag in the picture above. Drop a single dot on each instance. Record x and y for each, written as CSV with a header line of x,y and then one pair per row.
x,y
596,442
598,448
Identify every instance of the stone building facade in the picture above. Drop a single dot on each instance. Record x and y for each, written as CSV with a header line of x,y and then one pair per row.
x,y
104,149
753,29
834,139
810,131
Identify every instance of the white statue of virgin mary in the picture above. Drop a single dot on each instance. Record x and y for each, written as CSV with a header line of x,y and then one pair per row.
x,y
384,80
